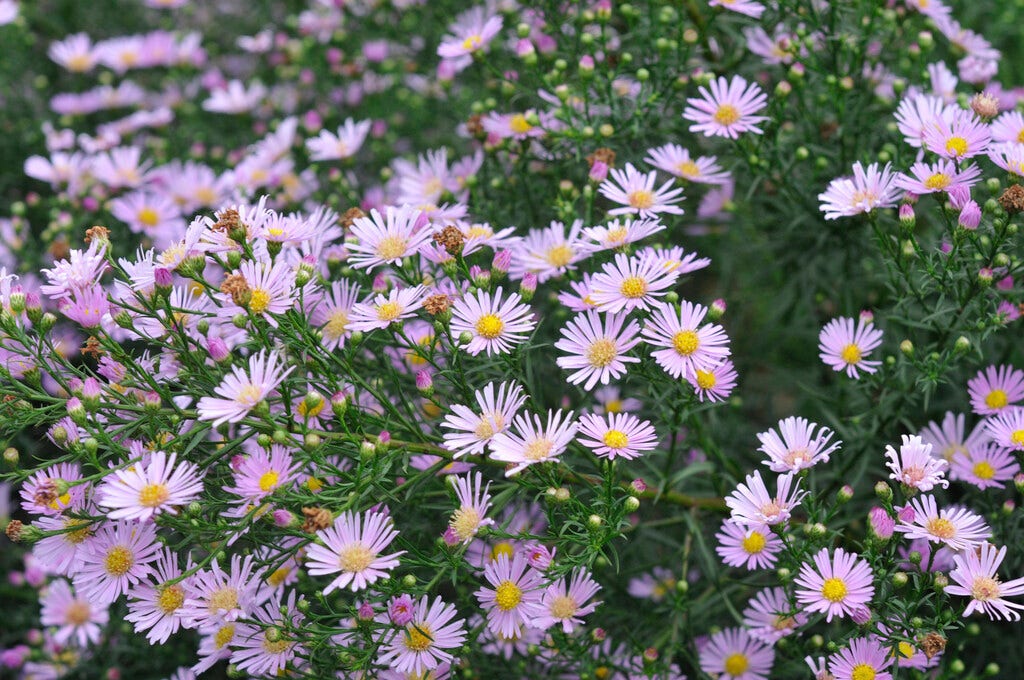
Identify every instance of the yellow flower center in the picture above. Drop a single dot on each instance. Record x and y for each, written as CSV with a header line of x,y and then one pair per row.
x,y
706,379
504,548
754,543
685,342
559,256
224,635
336,324
78,613
601,353
278,646
391,248
81,62
736,664
862,671
268,480
153,495
507,595
1017,437
727,114
519,124
170,598
118,561
997,399
356,557
279,575
148,217
418,637
613,406
259,301
633,287
851,354
78,535
464,522
834,590
985,588
1020,136
389,311
484,430
940,527
906,649
489,326
688,169
472,43
224,599
538,449
205,195
938,181
641,199
984,470
563,607
617,236
956,146
615,439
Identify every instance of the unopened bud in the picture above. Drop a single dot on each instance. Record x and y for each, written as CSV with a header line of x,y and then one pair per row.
x,y
845,493
883,491
907,347
631,504
900,579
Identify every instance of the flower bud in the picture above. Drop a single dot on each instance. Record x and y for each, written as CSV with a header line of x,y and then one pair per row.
x,y
860,615
528,286
900,579
882,525
501,263
883,491
637,486
985,277
844,494
631,504
970,216
962,345
401,609
339,404
940,581
11,456
783,574
717,310
367,451
595,521
915,558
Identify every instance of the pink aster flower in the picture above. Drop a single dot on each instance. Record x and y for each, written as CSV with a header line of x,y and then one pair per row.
x,y
733,654
752,505
683,344
715,383
617,435
751,547
496,326
79,272
154,607
79,619
336,146
915,466
995,389
989,466
566,602
631,283
531,441
948,440
675,259
235,97
1007,428
260,653
844,346
728,109
514,596
271,289
954,527
381,310
676,160
331,315
146,490
115,559
39,494
1008,127
216,596
748,7
620,234
474,502
865,657
957,136
473,430
635,192
915,115
796,445
262,473
424,644
472,31
1009,156
60,553
837,585
549,252
76,53
240,393
386,239
942,175
352,546
976,576
865,191
86,307
597,349
769,616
